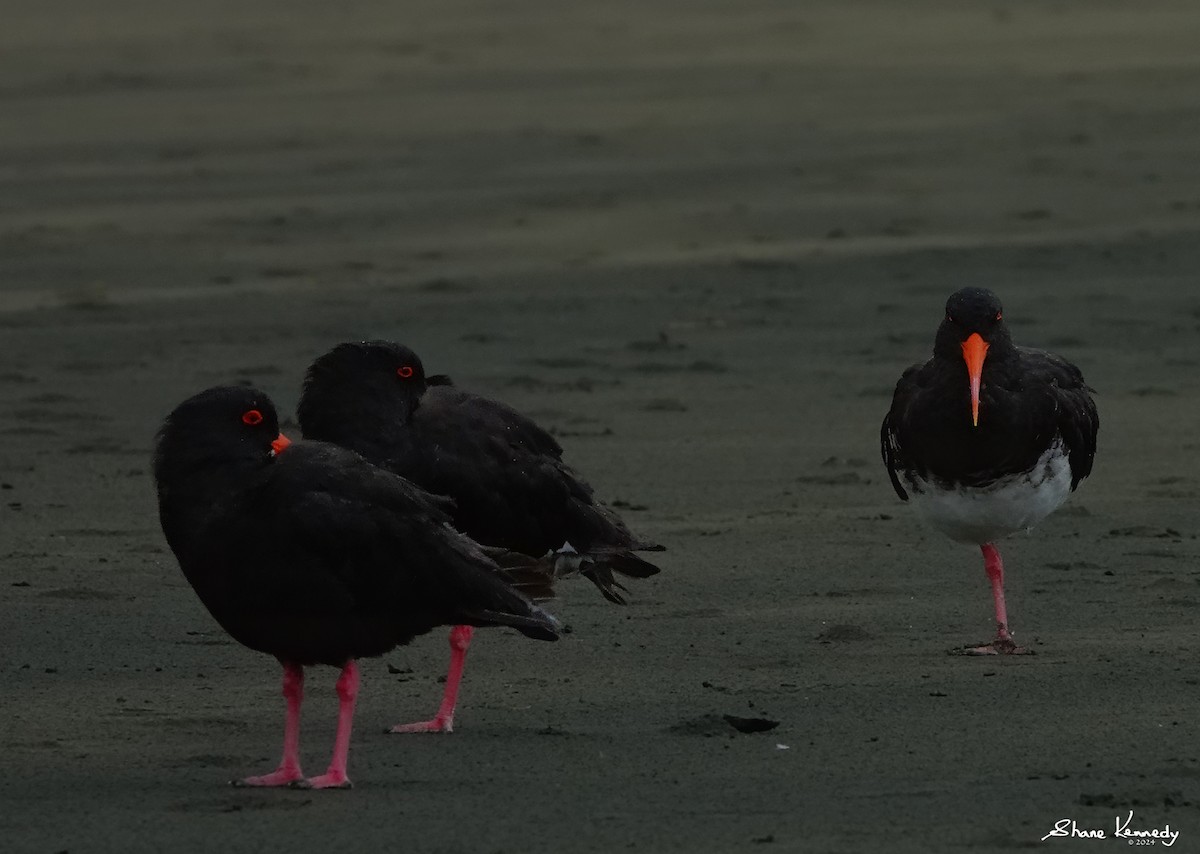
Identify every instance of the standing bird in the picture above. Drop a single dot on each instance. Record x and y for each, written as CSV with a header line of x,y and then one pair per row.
x,y
505,474
989,438
309,553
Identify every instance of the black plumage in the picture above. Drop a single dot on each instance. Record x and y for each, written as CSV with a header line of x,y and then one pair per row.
x,y
310,553
1027,399
506,475
991,437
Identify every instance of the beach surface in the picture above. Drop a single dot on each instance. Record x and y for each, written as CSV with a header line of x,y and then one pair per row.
x,y
700,241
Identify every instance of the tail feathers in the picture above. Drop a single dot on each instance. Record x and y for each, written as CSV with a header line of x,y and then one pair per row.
x,y
642,546
598,568
533,576
537,624
601,575
627,563
493,587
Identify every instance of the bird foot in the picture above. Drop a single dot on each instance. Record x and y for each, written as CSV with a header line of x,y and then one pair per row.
x,y
329,780
438,724
1000,646
279,777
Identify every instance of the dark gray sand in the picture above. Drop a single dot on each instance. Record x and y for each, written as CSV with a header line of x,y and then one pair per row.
x,y
700,241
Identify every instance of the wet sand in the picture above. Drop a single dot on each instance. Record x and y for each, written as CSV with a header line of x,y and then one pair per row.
x,y
700,241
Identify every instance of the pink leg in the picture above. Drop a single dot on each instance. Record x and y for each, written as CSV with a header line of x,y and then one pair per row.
x,y
289,767
994,567
443,721
335,777
1004,643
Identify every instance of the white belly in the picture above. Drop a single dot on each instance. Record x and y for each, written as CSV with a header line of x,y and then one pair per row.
x,y
983,514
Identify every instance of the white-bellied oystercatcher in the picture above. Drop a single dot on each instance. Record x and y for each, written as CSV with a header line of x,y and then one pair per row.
x,y
988,438
309,553
505,474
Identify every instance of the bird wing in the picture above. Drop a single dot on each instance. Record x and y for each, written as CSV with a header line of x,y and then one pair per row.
x,y
324,534
889,444
481,414
507,476
1077,418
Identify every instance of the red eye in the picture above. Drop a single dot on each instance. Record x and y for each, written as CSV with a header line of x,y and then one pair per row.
x,y
999,315
252,417
404,372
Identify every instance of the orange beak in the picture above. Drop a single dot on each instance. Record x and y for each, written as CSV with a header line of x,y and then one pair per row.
x,y
280,443
974,351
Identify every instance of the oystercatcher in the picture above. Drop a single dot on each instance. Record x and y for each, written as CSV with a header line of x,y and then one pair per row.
x,y
308,552
505,474
987,437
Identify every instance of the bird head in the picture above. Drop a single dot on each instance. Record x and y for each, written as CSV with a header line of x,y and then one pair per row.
x,y
973,326
361,385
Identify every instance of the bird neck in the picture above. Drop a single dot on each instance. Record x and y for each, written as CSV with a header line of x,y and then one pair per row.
x,y
363,421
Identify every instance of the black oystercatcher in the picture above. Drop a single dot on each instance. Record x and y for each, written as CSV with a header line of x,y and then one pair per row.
x,y
987,437
505,474
314,555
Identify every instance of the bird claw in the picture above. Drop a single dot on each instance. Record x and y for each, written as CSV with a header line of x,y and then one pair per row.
x,y
278,777
438,724
325,781
1000,646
